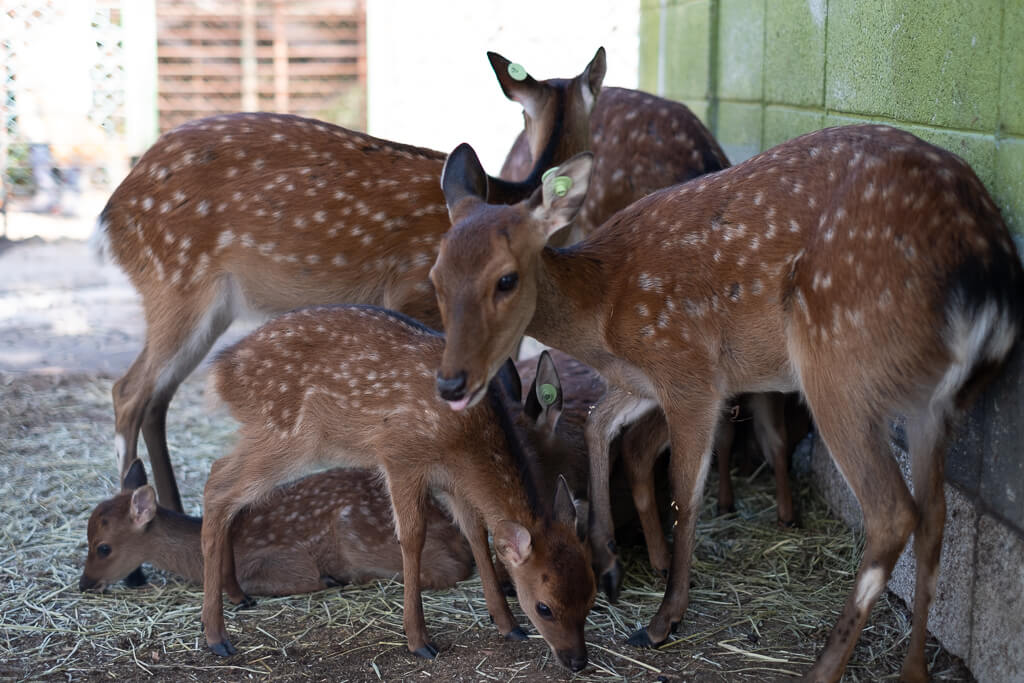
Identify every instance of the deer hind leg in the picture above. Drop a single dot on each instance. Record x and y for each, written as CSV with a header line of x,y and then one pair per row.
x,y
494,596
926,436
176,341
725,436
642,443
857,439
691,424
769,415
616,409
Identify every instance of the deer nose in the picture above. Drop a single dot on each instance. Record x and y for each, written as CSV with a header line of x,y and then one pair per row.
x,y
452,388
576,662
85,583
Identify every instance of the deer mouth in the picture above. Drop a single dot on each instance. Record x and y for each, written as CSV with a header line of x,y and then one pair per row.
x,y
469,399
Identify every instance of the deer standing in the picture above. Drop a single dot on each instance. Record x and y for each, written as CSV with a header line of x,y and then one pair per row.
x,y
354,385
265,213
861,266
329,529
642,143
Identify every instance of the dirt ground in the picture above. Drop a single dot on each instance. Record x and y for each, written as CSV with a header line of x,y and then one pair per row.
x,y
762,602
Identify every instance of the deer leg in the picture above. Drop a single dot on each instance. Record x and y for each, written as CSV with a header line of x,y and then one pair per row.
x,y
408,502
494,596
176,341
926,437
642,443
769,418
692,429
725,435
857,444
615,410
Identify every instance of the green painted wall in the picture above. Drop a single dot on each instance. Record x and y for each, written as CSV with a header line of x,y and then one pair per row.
x,y
759,72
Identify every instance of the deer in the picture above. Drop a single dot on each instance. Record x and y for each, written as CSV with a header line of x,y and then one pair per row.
x,y
328,529
259,213
860,266
642,143
354,385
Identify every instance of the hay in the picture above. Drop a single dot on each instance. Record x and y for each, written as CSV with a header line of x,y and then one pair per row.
x,y
762,602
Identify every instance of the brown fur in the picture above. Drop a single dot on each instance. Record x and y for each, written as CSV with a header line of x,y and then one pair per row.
x,y
355,385
863,267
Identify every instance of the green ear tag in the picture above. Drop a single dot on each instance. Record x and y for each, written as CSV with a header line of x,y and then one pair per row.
x,y
547,173
561,184
548,393
516,71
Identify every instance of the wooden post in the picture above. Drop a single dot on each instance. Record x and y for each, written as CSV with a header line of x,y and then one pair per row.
x,y
280,58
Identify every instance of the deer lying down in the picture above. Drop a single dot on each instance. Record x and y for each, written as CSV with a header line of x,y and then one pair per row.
x,y
355,385
328,529
266,213
861,266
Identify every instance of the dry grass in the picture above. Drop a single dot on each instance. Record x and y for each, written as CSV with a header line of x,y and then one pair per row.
x,y
762,602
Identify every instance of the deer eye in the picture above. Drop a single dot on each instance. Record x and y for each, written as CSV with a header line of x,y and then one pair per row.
x,y
103,550
508,282
544,611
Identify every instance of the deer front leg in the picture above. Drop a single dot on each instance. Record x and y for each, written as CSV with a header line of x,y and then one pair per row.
x,y
216,543
616,409
692,428
408,503
642,443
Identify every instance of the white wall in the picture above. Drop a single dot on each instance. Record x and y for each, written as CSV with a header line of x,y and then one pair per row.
x,y
429,81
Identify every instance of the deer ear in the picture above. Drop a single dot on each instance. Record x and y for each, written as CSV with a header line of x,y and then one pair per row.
x,y
544,401
518,85
592,78
134,477
143,507
512,543
570,510
561,194
462,177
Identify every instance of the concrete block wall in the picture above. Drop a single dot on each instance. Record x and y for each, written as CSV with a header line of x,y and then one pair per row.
x,y
760,72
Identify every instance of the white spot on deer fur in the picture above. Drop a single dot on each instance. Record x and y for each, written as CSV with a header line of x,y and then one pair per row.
x,y
869,587
758,198
885,300
299,222
224,239
642,310
339,260
147,203
203,208
312,259
320,216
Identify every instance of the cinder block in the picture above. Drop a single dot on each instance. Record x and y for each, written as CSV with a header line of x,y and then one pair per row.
x,y
833,487
783,123
650,26
700,110
687,50
963,459
738,129
1011,87
998,615
1008,189
949,618
859,54
945,62
740,49
1002,475
794,52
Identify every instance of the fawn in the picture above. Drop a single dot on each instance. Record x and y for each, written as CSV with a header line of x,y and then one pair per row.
x,y
328,529
355,385
860,266
265,213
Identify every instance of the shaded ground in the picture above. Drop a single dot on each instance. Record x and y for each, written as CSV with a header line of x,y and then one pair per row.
x,y
761,606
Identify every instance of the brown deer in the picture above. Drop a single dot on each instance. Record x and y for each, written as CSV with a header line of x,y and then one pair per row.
x,y
329,529
354,385
860,266
642,143
265,213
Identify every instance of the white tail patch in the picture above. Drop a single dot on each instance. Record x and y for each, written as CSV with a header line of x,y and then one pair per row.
x,y
99,242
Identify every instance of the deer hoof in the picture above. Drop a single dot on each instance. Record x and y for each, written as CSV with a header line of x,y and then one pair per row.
x,y
516,634
136,579
223,648
428,651
247,602
640,639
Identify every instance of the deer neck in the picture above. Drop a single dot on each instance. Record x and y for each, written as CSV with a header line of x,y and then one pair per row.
x,y
176,544
571,286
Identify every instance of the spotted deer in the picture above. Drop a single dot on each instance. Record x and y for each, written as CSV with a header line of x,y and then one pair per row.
x,y
328,529
354,385
642,143
265,213
860,266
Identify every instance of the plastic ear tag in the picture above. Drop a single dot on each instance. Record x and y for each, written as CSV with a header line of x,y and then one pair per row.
x,y
547,173
548,393
561,185
516,71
